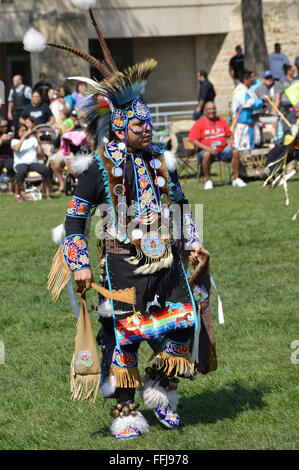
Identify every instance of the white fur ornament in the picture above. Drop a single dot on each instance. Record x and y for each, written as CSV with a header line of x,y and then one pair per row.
x,y
170,160
84,4
58,234
81,163
34,41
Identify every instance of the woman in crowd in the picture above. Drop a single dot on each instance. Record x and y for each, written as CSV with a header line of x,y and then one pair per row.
x,y
65,96
26,148
285,104
80,97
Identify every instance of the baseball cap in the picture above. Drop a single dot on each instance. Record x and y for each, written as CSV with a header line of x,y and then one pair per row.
x,y
296,60
267,74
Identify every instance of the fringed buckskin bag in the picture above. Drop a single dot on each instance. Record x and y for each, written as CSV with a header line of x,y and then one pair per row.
x,y
85,373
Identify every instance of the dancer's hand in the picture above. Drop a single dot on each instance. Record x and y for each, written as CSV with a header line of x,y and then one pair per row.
x,y
194,254
84,277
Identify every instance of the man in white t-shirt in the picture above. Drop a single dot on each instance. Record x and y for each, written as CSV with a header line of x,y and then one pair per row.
x,y
276,62
26,148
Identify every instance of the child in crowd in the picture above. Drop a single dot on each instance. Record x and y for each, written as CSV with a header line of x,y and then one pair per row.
x,y
68,123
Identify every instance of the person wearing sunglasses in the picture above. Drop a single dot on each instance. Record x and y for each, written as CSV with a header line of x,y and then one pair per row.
x,y
147,233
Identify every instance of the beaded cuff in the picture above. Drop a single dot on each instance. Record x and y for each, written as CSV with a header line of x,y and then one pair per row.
x,y
75,252
124,360
78,208
173,348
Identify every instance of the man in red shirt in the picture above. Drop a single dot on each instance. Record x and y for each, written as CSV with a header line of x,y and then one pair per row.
x,y
211,135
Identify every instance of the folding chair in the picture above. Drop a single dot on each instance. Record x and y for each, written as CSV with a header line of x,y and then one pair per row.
x,y
183,150
224,171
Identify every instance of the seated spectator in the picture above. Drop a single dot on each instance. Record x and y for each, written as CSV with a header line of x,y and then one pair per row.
x,y
68,123
6,155
43,87
65,97
80,97
210,134
38,111
26,148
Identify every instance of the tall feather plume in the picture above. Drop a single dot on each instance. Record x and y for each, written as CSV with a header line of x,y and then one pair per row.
x,y
107,55
92,60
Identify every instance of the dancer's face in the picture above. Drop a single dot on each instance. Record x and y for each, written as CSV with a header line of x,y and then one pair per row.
x,y
139,134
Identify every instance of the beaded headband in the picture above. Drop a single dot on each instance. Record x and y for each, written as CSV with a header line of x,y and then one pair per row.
x,y
120,118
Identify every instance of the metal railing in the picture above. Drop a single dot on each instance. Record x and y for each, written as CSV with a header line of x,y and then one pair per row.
x,y
164,114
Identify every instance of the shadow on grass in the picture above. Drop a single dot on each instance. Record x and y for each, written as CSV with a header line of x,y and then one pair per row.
x,y
225,403
209,407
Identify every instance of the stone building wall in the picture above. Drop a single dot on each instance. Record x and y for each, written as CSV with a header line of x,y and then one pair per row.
x,y
281,23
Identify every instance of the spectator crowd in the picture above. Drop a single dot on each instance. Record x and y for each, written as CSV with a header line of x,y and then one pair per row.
x,y
274,94
30,109
272,98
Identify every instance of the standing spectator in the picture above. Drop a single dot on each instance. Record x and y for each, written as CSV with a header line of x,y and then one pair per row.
x,y
210,135
26,148
19,96
276,62
283,100
244,103
236,64
57,160
43,88
6,155
297,66
38,111
206,93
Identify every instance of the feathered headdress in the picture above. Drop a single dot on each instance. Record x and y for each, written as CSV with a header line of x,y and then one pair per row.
x,y
109,95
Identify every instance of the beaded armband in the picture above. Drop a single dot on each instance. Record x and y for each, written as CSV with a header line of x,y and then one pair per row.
x,y
78,208
75,252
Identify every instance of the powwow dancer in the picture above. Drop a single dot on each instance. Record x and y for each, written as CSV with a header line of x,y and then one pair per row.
x,y
136,181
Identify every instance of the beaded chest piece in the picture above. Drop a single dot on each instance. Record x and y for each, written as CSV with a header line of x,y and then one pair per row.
x,y
145,222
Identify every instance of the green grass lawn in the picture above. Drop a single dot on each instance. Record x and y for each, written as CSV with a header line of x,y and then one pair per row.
x,y
250,402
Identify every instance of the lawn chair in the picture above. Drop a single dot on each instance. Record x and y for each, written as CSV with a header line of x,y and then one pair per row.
x,y
33,179
225,173
183,150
